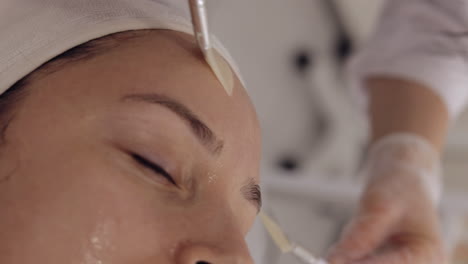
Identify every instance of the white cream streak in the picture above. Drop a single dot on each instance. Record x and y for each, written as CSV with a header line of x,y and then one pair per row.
x,y
221,69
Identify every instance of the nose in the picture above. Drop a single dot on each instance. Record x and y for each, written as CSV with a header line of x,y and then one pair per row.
x,y
207,254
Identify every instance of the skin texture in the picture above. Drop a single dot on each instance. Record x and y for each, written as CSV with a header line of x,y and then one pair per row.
x,y
71,192
429,119
397,222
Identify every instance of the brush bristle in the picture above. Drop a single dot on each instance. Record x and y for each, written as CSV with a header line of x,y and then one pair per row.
x,y
221,69
276,233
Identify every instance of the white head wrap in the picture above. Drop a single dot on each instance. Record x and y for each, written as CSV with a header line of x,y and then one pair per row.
x,y
35,31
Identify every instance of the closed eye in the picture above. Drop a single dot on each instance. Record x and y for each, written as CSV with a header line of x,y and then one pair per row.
x,y
154,167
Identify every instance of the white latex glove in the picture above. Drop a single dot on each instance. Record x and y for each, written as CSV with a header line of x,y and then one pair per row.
x,y
397,221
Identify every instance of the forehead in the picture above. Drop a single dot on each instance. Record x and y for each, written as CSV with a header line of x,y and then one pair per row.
x,y
168,63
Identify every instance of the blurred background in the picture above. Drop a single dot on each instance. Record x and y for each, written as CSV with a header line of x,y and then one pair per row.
x,y
292,55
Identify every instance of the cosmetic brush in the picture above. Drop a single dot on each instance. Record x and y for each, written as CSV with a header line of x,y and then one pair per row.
x,y
202,34
285,245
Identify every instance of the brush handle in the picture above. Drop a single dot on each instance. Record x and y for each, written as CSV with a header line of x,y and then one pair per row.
x,y
200,23
306,256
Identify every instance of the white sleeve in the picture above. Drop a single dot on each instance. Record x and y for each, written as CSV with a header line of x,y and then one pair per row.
x,y
419,40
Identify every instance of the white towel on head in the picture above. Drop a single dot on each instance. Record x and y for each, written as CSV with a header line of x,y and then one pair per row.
x,y
35,31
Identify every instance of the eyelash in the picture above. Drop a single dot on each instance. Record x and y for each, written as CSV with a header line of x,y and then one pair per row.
x,y
154,167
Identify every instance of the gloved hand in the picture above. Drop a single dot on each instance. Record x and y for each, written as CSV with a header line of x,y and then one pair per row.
x,y
397,220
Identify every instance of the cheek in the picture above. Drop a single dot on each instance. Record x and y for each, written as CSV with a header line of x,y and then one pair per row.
x,y
77,210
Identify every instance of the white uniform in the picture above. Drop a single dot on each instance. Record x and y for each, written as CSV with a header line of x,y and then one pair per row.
x,y
419,40
34,31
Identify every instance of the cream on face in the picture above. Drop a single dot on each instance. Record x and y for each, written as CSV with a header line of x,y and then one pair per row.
x,y
222,70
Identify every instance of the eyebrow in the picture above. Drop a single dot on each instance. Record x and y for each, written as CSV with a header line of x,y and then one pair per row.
x,y
252,193
201,131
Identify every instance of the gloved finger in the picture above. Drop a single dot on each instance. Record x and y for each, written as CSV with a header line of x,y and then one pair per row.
x,y
408,251
366,232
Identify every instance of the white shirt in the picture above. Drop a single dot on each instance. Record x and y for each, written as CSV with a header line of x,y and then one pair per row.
x,y
420,40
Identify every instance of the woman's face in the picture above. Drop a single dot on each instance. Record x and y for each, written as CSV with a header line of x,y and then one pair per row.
x,y
136,156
